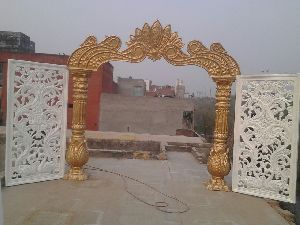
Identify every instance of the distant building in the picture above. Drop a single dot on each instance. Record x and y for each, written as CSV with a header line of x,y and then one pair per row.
x,y
16,42
179,89
131,87
166,91
148,84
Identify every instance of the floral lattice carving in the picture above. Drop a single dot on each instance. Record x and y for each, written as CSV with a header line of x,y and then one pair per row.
x,y
36,122
266,134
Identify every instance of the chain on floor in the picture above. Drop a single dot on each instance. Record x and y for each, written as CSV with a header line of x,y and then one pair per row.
x,y
159,205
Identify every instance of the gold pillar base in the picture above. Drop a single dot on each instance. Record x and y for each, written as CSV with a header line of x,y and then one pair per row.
x,y
76,173
217,184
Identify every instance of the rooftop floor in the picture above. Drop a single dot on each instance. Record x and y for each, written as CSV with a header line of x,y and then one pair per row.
x,y
103,199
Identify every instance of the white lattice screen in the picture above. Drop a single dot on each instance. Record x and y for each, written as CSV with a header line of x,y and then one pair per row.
x,y
266,136
36,122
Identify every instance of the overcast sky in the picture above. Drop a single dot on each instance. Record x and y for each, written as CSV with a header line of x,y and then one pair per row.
x,y
260,34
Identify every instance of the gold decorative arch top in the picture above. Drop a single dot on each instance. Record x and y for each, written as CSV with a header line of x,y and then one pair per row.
x,y
154,42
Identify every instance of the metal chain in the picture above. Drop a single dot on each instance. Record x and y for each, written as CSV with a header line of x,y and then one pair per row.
x,y
159,205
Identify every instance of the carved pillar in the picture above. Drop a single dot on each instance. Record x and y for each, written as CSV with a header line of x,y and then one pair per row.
x,y
77,154
218,164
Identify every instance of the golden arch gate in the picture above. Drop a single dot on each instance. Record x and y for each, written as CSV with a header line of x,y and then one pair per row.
x,y
153,42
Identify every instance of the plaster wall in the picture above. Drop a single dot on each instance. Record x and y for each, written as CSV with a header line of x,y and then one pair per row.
x,y
142,114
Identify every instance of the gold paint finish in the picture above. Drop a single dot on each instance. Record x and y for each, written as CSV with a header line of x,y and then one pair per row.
x,y
154,42
77,154
218,164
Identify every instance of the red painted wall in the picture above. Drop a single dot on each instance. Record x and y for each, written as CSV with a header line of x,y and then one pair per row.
x,y
107,79
107,85
101,80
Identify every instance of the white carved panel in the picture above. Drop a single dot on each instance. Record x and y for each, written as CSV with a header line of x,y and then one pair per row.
x,y
36,122
266,136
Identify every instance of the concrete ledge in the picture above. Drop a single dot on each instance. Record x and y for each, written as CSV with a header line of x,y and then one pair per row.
x,y
141,137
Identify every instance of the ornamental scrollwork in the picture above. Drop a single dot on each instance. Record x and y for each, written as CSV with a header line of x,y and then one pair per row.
x,y
154,42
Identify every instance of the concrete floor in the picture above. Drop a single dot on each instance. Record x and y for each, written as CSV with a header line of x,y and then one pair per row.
x,y
102,200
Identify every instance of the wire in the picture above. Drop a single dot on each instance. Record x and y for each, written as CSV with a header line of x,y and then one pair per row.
x,y
159,205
